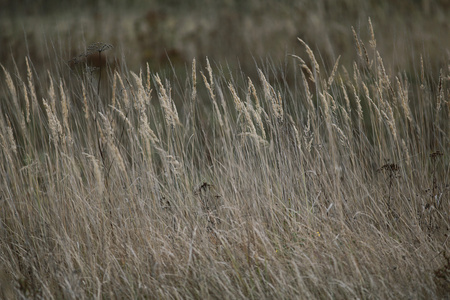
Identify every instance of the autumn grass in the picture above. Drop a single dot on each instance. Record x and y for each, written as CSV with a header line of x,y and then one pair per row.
x,y
335,186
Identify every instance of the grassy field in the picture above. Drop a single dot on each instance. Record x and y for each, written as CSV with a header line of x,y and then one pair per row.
x,y
323,177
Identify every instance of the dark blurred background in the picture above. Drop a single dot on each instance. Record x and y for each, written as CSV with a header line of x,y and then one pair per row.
x,y
236,33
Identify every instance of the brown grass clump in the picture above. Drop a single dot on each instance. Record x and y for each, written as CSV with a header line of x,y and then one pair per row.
x,y
334,186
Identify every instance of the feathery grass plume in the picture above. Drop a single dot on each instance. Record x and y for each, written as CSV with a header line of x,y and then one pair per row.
x,y
10,137
138,94
277,105
356,76
51,92
366,56
309,72
305,68
7,144
333,73
31,85
255,112
271,97
210,73
357,43
10,85
170,111
383,78
53,122
258,120
15,99
311,57
124,93
373,41
366,90
381,70
326,108
358,106
209,85
403,96
391,120
240,107
346,98
140,104
210,88
252,90
332,101
85,102
65,112
302,62
107,128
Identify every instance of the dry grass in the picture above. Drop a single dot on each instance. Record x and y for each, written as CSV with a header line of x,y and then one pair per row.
x,y
334,187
